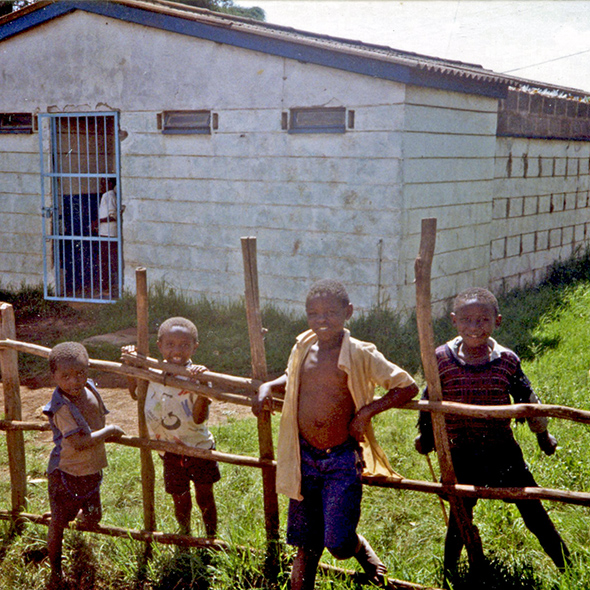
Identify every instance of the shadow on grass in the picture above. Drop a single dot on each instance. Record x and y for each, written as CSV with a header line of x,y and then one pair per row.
x,y
495,575
185,570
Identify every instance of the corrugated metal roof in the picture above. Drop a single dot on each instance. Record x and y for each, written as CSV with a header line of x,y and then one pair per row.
x,y
355,56
409,59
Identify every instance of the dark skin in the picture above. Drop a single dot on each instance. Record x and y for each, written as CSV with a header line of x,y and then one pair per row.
x,y
177,347
327,415
71,379
475,322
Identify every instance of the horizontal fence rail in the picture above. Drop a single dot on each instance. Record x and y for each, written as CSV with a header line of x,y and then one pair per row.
x,y
155,372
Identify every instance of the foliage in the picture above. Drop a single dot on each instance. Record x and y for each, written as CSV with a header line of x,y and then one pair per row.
x,y
8,6
226,6
29,303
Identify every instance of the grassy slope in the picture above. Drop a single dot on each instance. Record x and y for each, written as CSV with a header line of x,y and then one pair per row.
x,y
548,326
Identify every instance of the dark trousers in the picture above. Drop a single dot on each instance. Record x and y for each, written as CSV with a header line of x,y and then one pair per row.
x,y
536,520
109,264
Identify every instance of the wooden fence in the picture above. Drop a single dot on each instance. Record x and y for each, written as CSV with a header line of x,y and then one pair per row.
x,y
239,390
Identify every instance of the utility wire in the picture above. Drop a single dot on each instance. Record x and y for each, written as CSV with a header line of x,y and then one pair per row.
x,y
541,63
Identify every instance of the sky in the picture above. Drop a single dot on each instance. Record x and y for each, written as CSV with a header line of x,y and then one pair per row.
x,y
543,40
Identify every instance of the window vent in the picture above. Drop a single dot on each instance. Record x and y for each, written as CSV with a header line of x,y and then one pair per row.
x,y
186,122
317,120
16,123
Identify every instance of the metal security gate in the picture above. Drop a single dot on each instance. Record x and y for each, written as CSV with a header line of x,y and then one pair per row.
x,y
81,206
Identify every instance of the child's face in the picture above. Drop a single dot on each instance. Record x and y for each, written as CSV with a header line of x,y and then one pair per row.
x,y
177,346
475,323
71,378
326,316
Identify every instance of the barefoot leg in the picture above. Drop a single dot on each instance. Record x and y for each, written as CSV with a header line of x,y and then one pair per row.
x,y
304,570
373,566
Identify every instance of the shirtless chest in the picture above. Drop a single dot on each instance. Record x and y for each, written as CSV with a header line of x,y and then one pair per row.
x,y
326,407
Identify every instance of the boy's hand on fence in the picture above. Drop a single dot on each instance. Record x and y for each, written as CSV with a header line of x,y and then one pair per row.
x,y
115,432
419,446
547,442
195,370
262,400
128,349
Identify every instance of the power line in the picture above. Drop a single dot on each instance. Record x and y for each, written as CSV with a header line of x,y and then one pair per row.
x,y
542,63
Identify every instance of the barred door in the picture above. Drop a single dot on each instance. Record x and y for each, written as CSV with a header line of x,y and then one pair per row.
x,y
81,206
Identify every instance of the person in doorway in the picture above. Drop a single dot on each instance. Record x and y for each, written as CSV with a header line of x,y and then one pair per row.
x,y
77,418
109,248
475,369
326,437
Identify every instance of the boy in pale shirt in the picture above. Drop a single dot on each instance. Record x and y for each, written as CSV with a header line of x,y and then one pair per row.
x,y
326,437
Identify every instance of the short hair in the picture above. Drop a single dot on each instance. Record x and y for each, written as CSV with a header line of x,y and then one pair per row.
x,y
178,322
67,352
478,294
328,287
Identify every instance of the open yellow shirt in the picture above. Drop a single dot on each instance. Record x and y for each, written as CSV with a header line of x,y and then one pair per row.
x,y
366,368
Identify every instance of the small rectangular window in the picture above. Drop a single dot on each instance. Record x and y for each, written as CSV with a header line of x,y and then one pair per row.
x,y
186,122
317,120
16,123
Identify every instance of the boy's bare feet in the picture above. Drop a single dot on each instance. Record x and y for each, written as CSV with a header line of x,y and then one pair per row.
x,y
373,566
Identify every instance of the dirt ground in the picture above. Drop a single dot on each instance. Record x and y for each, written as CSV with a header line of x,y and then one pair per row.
x,y
36,392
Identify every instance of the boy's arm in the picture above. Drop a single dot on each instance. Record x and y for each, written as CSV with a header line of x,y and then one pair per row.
x,y
201,405
394,398
522,392
263,398
82,440
131,381
201,409
424,442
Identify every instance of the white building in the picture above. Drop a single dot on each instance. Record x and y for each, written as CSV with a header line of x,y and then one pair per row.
x,y
329,151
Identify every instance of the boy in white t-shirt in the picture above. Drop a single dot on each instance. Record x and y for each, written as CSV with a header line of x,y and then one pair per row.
x,y
180,416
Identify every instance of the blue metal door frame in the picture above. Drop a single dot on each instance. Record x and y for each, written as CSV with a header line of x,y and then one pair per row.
x,y
80,156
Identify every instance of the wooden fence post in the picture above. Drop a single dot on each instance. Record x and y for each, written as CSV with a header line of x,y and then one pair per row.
x,y
147,464
423,267
12,409
259,371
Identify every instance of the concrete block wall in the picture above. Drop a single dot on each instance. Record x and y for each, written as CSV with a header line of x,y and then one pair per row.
x,y
448,173
542,115
20,214
541,208
319,204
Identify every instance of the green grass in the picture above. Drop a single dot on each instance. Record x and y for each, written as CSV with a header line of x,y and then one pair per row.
x,y
549,326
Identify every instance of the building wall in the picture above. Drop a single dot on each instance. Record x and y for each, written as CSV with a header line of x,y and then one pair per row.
x,y
21,259
541,207
502,219
319,204
448,173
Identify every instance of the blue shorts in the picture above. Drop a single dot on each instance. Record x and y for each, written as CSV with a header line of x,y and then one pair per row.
x,y
331,507
68,494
